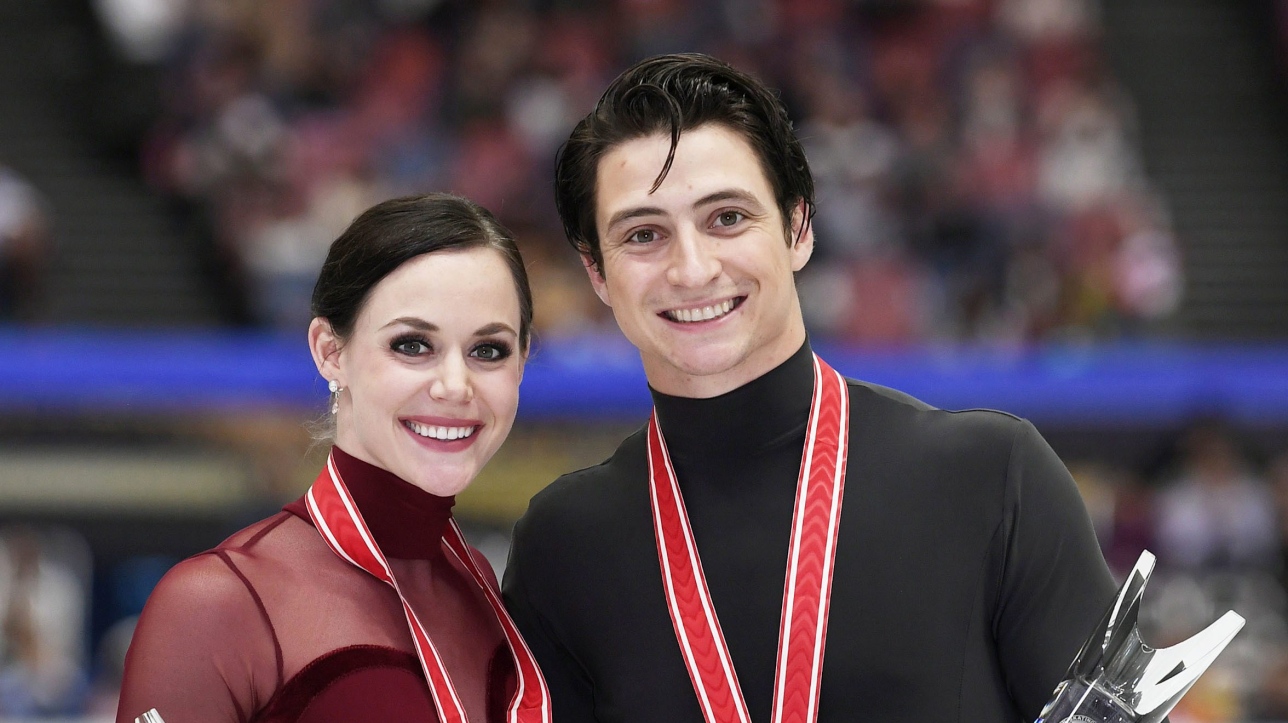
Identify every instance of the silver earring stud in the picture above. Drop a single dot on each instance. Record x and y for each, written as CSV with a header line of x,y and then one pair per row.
x,y
334,386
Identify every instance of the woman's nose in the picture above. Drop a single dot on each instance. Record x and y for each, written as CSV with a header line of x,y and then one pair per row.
x,y
452,383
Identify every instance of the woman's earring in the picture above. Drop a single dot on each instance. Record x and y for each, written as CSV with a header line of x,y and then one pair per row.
x,y
335,388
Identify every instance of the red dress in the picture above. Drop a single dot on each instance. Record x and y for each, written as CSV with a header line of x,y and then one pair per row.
x,y
272,626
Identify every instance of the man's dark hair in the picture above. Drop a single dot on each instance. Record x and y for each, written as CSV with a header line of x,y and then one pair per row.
x,y
393,232
672,94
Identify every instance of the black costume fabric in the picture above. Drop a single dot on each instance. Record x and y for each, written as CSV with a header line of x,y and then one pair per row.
x,y
967,572
272,625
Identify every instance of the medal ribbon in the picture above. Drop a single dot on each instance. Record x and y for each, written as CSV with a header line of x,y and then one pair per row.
x,y
336,516
808,588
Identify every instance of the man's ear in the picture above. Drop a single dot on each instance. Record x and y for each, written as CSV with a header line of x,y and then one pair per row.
x,y
324,345
802,239
596,274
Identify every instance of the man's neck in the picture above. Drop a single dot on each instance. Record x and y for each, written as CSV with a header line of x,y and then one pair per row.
x,y
768,410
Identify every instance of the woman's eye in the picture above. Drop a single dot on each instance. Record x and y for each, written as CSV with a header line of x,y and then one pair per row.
x,y
411,347
728,218
642,236
491,352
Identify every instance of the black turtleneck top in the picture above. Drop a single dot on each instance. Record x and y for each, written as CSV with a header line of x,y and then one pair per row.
x,y
271,625
967,573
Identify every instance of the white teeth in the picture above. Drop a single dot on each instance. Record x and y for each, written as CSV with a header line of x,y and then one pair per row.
x,y
446,434
706,313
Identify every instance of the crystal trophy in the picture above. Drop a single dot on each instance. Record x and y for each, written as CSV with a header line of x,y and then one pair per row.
x,y
1117,678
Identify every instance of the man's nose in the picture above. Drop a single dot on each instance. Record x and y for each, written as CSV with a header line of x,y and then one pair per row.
x,y
694,259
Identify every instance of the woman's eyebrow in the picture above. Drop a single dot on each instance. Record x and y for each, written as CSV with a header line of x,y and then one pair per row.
x,y
414,322
495,327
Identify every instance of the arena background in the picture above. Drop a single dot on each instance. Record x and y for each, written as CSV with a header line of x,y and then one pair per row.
x,y
1075,211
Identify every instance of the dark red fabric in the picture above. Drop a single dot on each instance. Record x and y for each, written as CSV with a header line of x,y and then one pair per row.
x,y
273,626
361,666
407,522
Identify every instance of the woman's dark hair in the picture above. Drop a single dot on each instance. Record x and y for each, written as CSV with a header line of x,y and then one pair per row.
x,y
393,232
673,94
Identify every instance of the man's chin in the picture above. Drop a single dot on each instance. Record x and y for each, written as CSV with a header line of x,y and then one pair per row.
x,y
694,366
706,357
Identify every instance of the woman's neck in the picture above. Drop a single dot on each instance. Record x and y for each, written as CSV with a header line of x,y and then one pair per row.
x,y
407,522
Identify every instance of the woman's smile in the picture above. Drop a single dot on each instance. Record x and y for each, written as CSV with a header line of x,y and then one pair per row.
x,y
444,435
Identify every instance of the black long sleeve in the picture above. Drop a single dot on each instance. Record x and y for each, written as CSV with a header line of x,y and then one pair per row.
x,y
967,573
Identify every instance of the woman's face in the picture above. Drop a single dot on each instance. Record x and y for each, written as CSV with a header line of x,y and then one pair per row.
x,y
431,371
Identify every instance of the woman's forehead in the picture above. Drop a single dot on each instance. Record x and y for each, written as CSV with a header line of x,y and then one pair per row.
x,y
443,287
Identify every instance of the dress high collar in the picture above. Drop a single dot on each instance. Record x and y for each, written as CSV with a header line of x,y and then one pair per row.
x,y
407,522
766,412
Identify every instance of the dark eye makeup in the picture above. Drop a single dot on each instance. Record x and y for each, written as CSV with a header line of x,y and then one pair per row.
x,y
410,345
493,350
413,345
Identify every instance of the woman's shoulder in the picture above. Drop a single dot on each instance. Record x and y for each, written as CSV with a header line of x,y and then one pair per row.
x,y
265,536
216,578
230,574
204,587
210,603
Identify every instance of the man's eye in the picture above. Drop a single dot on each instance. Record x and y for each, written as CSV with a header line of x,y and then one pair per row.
x,y
728,218
642,236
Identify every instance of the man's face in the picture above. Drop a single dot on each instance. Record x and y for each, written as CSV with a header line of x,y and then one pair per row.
x,y
699,272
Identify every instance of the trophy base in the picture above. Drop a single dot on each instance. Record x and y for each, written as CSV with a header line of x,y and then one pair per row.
x,y
1076,701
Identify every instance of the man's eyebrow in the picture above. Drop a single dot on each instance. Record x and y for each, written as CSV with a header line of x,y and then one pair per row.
x,y
627,214
728,194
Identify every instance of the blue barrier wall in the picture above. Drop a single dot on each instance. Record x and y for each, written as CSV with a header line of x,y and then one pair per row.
x,y
159,372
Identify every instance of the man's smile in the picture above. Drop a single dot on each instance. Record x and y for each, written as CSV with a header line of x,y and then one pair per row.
x,y
705,312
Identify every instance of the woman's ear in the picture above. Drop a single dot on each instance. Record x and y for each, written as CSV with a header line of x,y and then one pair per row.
x,y
325,347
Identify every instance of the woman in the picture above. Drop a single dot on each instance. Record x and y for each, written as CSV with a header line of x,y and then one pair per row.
x,y
360,601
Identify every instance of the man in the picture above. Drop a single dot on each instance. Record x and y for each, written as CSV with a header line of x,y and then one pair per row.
x,y
941,566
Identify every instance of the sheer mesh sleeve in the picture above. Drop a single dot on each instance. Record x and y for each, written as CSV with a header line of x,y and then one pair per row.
x,y
203,649
271,626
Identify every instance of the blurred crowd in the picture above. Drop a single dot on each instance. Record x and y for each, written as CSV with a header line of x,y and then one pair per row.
x,y
44,616
1215,512
977,173
25,245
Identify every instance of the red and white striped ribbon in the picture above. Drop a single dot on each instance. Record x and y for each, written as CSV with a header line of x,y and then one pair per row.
x,y
338,519
808,587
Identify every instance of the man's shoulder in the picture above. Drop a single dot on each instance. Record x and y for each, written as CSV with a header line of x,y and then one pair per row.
x,y
596,491
873,404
